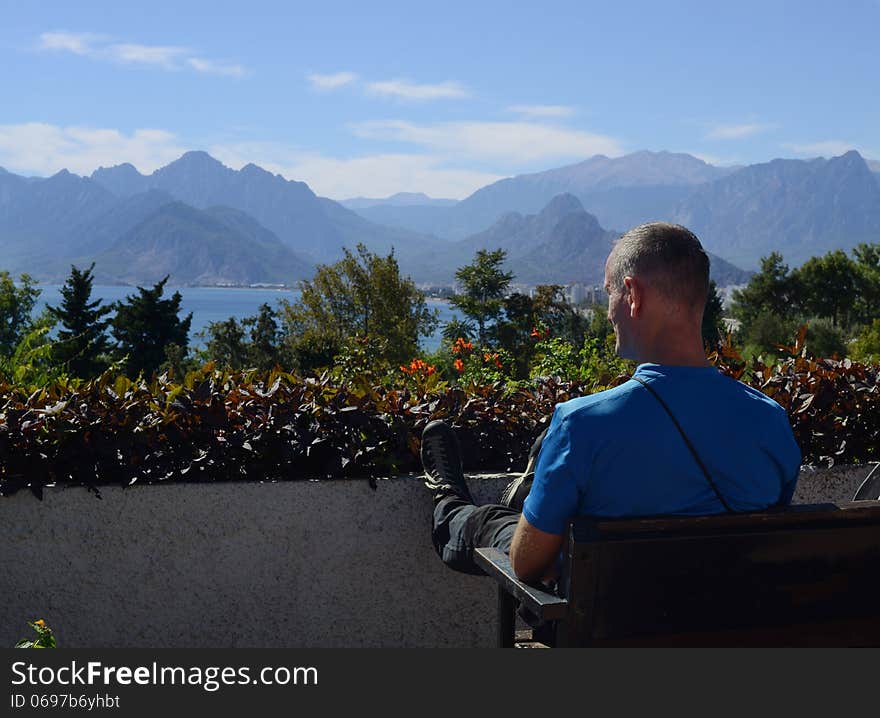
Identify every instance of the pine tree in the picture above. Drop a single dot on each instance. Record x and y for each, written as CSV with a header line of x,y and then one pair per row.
x,y
226,344
484,287
264,349
146,324
83,347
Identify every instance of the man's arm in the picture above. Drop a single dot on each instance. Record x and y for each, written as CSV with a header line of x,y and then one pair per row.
x,y
533,552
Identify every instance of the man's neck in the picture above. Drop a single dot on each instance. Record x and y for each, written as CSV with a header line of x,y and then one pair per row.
x,y
672,349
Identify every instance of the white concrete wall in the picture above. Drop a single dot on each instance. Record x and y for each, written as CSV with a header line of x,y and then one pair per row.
x,y
296,564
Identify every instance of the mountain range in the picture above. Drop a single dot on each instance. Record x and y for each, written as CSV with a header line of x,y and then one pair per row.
x,y
798,207
561,244
195,219
400,199
314,226
621,192
205,223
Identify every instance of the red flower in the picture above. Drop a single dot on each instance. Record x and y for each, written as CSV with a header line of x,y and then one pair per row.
x,y
459,365
417,366
461,346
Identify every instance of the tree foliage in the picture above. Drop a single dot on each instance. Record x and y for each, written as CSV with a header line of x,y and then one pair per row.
x,y
361,295
511,322
866,346
255,342
266,347
227,344
772,289
867,300
16,306
484,286
83,347
145,324
827,286
837,295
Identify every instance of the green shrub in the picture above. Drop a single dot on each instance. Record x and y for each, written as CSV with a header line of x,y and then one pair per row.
x,y
364,421
45,637
866,347
559,358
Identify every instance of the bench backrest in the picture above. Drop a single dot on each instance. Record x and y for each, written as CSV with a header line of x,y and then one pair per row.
x,y
809,575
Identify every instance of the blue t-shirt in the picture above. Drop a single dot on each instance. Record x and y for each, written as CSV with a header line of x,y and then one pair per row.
x,y
617,453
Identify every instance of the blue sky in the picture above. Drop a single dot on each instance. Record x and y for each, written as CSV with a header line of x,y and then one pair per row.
x,y
373,98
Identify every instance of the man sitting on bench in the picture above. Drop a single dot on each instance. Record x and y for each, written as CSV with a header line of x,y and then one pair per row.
x,y
678,438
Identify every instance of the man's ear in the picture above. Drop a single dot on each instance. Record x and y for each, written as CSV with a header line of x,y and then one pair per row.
x,y
635,295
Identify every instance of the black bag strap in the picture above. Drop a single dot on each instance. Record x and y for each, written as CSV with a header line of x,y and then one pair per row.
x,y
687,443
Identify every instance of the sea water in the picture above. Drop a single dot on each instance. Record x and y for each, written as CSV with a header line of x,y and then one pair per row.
x,y
217,304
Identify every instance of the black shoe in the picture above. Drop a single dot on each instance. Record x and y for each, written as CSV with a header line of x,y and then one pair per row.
x,y
514,494
441,459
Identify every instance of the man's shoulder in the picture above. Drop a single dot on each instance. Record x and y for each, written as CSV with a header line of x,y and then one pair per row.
x,y
750,393
602,403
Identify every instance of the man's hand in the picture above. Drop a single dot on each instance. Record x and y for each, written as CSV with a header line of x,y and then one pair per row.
x,y
532,551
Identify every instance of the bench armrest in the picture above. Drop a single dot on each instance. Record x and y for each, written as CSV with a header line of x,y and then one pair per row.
x,y
540,603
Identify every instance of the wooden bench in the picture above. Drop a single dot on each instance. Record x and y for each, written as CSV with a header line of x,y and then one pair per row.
x,y
808,575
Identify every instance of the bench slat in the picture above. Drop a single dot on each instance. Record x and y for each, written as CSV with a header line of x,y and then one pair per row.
x,y
540,603
802,516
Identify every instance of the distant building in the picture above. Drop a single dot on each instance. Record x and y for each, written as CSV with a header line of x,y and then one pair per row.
x,y
579,293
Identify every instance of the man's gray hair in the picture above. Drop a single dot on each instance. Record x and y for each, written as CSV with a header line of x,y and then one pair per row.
x,y
668,256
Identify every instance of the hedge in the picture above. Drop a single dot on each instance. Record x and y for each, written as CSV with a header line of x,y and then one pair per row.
x,y
244,426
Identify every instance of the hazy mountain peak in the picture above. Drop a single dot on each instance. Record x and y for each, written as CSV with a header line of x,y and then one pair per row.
x,y
408,198
559,206
251,169
198,158
127,167
642,168
851,158
801,208
399,199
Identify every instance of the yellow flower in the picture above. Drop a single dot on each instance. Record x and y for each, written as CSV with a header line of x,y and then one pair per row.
x,y
41,623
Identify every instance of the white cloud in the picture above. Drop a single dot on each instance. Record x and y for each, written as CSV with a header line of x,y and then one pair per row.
x,y
542,110
43,149
736,132
708,159
406,90
510,143
215,68
826,148
717,161
377,175
331,82
166,57
77,43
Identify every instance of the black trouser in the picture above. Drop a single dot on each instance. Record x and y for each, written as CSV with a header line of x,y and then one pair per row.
x,y
460,527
